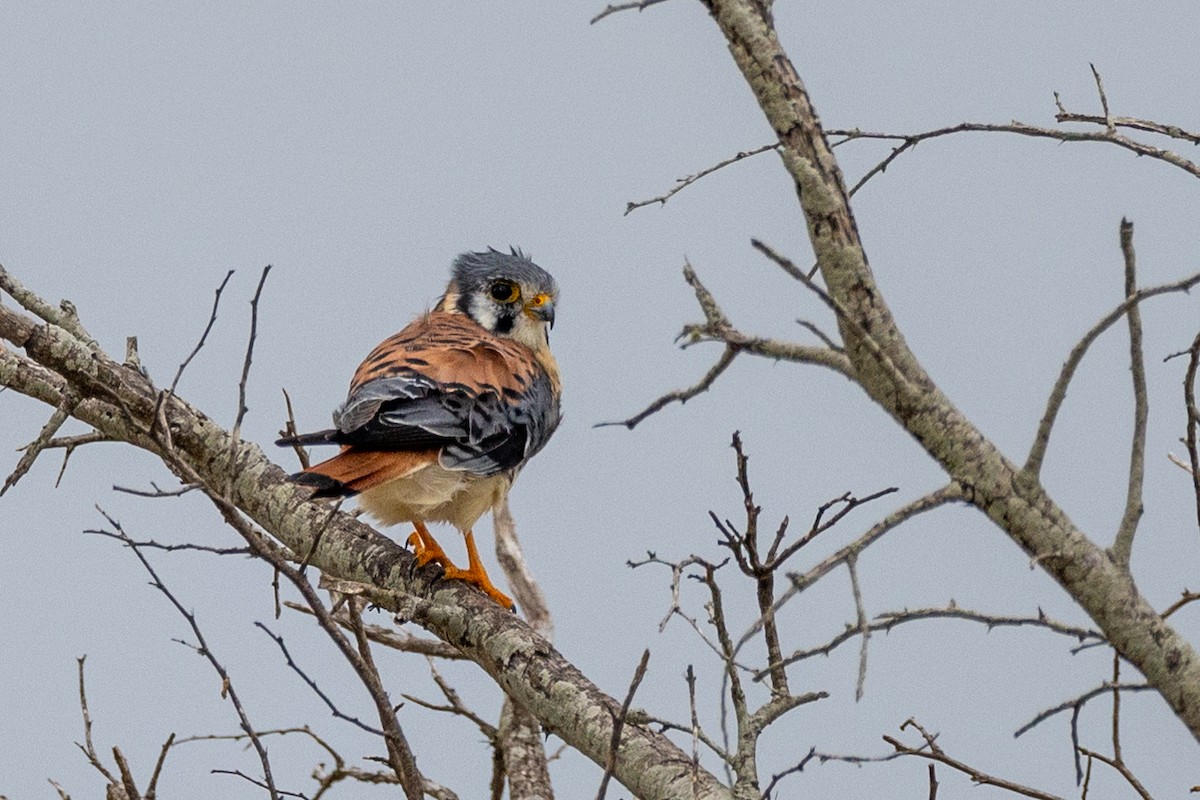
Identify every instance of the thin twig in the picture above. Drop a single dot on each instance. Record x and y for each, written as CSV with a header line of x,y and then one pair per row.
x,y
388,637
680,395
157,492
313,684
1145,125
683,183
1037,452
227,689
848,502
1122,547
1108,120
935,753
1193,418
717,328
212,319
44,437
400,755
864,628
950,493
152,788
863,335
1116,712
639,5
888,620
237,773
619,724
1079,702
235,434
1185,598
909,141
290,430
88,748
1120,767
68,444
454,706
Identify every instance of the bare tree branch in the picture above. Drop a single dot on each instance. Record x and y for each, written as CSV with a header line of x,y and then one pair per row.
x,y
888,620
120,402
1193,417
1058,394
683,183
1123,542
935,753
637,5
1076,703
388,637
202,648
801,581
717,327
35,448
619,723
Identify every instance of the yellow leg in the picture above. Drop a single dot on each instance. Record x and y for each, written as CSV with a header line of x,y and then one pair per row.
x,y
426,548
428,551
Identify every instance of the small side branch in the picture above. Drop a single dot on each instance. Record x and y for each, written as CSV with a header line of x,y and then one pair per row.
x,y
1193,418
639,5
933,752
680,395
236,432
64,315
1123,543
1058,394
35,448
1075,704
863,627
683,183
202,647
888,620
717,328
396,640
212,319
88,748
950,493
619,724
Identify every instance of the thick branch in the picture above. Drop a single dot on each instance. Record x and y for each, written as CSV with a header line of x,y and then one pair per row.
x,y
1014,500
120,402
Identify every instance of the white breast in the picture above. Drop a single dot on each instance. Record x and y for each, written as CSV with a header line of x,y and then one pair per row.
x,y
434,494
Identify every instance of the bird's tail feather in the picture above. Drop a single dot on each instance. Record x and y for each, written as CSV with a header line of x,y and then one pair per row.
x,y
353,471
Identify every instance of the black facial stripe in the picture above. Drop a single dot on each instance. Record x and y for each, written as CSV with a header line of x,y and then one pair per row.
x,y
504,323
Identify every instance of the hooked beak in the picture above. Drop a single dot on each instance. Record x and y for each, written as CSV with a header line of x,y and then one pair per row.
x,y
541,307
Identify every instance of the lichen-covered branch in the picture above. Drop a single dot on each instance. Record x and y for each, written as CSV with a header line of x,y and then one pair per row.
x,y
122,404
1012,498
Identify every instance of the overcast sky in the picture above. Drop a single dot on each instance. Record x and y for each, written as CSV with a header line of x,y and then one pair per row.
x,y
146,149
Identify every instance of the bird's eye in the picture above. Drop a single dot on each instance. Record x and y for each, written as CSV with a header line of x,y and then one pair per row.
x,y
505,291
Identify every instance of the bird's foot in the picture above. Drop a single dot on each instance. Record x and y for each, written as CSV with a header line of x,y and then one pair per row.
x,y
428,551
477,576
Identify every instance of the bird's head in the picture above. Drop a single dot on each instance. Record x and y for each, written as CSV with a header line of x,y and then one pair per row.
x,y
506,293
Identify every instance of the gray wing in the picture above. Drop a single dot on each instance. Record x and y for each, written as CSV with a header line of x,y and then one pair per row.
x,y
485,403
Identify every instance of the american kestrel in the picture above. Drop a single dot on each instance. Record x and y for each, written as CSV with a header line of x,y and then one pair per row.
x,y
441,416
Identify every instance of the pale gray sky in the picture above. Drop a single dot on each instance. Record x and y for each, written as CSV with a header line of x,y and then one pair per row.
x,y
145,150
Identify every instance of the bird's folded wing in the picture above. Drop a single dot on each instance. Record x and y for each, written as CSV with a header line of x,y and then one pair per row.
x,y
446,383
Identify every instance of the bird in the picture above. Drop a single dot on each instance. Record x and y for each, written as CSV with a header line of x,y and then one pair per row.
x,y
441,417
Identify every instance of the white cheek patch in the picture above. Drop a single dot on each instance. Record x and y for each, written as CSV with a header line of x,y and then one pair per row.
x,y
483,312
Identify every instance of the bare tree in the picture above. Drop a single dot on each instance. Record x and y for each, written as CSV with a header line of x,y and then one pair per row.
x,y
53,359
